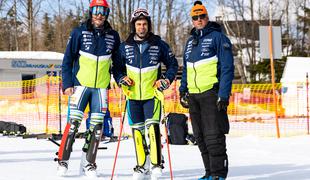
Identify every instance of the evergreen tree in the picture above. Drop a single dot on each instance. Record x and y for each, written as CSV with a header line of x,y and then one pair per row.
x,y
48,33
262,69
6,34
70,23
302,42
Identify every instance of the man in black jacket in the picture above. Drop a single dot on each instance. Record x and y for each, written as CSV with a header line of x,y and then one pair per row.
x,y
208,71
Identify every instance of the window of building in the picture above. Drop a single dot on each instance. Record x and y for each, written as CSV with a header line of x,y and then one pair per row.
x,y
28,86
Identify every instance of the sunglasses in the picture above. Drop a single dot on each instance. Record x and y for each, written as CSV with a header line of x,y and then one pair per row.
x,y
201,16
96,10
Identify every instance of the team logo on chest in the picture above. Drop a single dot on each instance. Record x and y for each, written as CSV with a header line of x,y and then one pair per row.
x,y
129,54
205,47
154,54
109,40
188,49
87,40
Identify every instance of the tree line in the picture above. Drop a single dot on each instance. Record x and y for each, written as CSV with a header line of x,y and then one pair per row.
x,y
22,29
26,25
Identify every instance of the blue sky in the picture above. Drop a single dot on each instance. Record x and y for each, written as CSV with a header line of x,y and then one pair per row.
x,y
51,7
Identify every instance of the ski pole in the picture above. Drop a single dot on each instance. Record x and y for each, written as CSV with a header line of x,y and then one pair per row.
x,y
161,98
119,140
168,147
68,109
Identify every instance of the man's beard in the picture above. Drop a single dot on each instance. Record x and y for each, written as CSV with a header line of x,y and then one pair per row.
x,y
143,36
98,25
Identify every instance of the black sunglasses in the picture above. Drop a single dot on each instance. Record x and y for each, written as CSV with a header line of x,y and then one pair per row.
x,y
201,16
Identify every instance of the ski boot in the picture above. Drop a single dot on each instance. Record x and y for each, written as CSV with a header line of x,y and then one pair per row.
x,y
90,170
156,172
62,168
86,168
140,173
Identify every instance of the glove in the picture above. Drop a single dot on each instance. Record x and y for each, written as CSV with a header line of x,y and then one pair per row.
x,y
126,81
69,91
162,84
184,99
222,104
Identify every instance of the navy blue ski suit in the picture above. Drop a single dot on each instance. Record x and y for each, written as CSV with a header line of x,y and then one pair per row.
x,y
208,71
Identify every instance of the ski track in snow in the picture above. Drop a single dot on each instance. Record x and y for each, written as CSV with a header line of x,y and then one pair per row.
x,y
250,158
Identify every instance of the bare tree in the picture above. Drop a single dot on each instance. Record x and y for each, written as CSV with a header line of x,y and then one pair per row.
x,y
297,4
138,4
120,19
303,35
169,19
112,14
2,4
30,24
147,4
181,28
237,34
153,14
130,7
159,15
287,25
124,20
26,13
15,26
170,28
60,34
253,47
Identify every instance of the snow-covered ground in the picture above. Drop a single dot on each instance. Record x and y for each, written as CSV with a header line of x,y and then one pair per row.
x,y
250,158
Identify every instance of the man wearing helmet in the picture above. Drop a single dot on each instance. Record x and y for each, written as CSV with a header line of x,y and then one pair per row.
x,y
138,70
208,71
86,77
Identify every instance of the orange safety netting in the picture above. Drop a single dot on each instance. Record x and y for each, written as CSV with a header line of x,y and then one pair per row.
x,y
40,105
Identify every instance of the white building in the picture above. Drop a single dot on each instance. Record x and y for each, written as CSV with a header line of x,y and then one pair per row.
x,y
26,65
294,86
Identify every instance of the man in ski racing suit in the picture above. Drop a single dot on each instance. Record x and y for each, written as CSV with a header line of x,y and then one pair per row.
x,y
138,70
86,76
208,71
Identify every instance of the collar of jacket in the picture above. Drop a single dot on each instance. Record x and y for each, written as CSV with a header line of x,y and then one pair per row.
x,y
210,27
151,39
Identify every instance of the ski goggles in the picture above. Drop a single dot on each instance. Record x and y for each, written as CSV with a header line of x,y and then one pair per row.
x,y
96,10
139,12
201,16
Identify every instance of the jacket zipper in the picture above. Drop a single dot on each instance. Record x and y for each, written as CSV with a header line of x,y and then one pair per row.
x,y
96,71
195,80
140,47
96,40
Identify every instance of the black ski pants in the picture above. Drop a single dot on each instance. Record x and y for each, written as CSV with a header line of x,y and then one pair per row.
x,y
209,127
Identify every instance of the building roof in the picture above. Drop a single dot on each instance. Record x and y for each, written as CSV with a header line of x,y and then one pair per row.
x,y
46,55
244,28
296,69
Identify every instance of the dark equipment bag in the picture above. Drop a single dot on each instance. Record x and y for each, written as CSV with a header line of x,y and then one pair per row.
x,y
177,128
12,128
